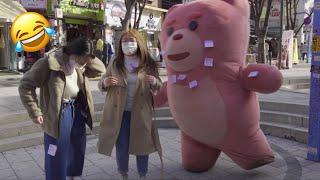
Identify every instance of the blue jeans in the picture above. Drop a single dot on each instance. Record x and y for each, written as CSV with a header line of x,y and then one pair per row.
x,y
69,157
122,149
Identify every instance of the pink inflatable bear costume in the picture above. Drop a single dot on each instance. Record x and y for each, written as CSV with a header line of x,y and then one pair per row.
x,y
210,91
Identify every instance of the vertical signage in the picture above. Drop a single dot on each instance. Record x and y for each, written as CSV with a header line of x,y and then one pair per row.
x,y
314,108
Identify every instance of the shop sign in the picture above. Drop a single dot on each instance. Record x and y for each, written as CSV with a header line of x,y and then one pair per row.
x,y
114,11
34,4
87,4
150,22
59,13
316,44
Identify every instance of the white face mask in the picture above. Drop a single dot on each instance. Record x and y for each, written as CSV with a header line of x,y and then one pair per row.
x,y
72,65
129,48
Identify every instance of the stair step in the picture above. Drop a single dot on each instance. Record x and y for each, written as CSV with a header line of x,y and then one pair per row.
x,y
21,141
284,107
28,127
296,80
32,139
284,118
285,131
163,112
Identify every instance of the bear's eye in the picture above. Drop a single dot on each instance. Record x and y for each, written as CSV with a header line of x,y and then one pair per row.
x,y
193,25
170,31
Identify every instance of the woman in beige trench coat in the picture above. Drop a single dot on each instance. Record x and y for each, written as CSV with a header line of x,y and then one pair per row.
x,y
127,122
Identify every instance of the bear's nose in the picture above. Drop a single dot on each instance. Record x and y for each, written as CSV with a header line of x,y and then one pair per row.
x,y
177,37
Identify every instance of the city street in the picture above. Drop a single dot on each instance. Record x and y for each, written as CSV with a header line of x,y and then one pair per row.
x,y
290,164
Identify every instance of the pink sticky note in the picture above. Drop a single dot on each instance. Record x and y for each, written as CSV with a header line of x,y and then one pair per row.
x,y
193,84
52,149
208,62
208,44
253,74
172,79
134,65
130,68
182,77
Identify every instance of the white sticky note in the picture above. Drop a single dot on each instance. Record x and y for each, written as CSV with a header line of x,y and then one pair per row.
x,y
253,74
52,149
208,44
172,79
182,77
208,62
193,84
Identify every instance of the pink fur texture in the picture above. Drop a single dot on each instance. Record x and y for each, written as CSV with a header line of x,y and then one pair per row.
x,y
210,92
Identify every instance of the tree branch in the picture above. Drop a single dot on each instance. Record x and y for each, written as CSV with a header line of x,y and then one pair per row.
x,y
141,8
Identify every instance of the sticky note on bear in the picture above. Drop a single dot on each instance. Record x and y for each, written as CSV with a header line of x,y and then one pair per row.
x,y
172,79
208,62
52,149
208,43
193,84
253,74
182,77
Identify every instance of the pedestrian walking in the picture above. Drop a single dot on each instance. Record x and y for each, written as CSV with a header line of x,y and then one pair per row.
x,y
99,46
270,51
65,104
303,50
107,53
127,123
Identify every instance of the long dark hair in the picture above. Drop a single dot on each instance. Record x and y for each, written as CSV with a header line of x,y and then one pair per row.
x,y
146,61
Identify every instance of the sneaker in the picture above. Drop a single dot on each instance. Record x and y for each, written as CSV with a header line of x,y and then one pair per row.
x,y
142,177
124,177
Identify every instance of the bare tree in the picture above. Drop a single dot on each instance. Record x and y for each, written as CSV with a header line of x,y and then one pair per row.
x,y
138,7
291,7
132,6
261,24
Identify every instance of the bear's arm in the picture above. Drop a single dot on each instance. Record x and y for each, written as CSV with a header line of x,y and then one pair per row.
x,y
161,98
261,78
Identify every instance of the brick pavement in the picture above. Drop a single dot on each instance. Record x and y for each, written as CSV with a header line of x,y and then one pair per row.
x,y
290,163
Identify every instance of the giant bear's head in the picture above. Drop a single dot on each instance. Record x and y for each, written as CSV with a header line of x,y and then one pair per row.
x,y
188,26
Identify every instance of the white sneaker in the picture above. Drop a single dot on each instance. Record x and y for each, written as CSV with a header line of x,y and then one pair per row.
x,y
142,177
123,177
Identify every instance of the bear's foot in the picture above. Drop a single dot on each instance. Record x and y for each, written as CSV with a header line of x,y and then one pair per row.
x,y
197,157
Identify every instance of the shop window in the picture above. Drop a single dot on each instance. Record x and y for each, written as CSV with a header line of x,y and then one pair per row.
x,y
166,4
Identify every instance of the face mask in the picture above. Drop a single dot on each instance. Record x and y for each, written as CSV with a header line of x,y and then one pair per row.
x,y
69,67
129,48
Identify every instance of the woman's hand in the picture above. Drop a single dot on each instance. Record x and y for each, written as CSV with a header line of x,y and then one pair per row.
x,y
150,79
110,81
38,120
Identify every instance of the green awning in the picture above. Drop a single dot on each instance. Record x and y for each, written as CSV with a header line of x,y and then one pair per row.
x,y
76,21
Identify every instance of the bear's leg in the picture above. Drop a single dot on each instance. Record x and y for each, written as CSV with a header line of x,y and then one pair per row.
x,y
252,152
197,157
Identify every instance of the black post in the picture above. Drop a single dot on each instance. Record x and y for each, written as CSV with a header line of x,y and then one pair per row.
x,y
280,40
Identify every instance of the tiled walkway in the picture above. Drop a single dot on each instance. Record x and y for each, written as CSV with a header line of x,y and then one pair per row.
x,y
290,163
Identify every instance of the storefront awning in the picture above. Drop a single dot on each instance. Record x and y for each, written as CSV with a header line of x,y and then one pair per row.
x,y
9,9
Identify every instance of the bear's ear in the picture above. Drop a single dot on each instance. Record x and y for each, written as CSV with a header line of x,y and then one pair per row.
x,y
173,8
242,4
239,3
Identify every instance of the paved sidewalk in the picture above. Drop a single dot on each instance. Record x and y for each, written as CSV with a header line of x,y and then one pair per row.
x,y
290,163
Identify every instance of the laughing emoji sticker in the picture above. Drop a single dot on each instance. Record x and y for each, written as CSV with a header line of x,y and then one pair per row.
x,y
30,32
